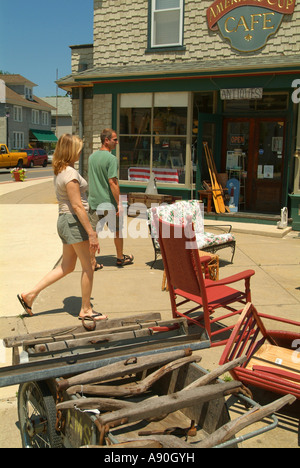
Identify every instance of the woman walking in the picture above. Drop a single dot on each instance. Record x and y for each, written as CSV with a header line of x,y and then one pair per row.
x,y
73,226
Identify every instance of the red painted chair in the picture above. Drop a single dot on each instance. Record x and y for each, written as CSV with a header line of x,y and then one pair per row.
x,y
186,281
272,364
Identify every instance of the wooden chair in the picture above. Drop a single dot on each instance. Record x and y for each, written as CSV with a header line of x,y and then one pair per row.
x,y
210,268
272,362
186,280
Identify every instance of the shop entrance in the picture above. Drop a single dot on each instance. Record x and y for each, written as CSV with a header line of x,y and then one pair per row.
x,y
253,153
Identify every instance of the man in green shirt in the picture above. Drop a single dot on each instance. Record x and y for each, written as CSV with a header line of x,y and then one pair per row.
x,y
104,193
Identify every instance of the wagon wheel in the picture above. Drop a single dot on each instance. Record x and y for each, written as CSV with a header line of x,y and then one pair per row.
x,y
37,416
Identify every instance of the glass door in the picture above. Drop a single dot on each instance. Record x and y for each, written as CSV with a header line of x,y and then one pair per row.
x,y
253,153
237,148
268,165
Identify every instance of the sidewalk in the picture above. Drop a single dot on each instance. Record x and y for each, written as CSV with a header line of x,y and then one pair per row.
x,y
30,247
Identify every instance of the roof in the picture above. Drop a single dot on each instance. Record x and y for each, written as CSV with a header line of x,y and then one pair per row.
x,y
63,104
17,79
17,99
183,68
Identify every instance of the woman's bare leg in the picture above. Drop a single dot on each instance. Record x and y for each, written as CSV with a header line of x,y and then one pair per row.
x,y
82,250
67,266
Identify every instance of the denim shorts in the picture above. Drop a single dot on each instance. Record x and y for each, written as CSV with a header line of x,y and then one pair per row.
x,y
70,229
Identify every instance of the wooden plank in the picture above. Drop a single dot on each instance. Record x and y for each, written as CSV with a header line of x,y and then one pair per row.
x,y
219,186
75,363
89,334
122,368
274,357
103,404
118,335
133,388
151,343
72,331
216,189
256,414
165,426
215,199
158,407
210,377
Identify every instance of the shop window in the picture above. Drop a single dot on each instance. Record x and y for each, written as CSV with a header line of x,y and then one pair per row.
x,y
166,26
153,137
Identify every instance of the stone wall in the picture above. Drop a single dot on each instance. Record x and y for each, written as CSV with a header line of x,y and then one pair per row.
x,y
82,57
121,32
121,38
97,115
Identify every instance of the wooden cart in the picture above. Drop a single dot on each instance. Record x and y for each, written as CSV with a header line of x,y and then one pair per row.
x,y
127,385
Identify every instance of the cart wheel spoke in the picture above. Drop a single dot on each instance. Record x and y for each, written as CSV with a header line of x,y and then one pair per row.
x,y
37,416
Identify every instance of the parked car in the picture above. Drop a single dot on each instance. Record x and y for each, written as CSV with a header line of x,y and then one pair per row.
x,y
11,159
36,157
50,157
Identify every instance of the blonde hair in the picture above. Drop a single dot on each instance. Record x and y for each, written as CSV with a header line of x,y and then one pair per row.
x,y
67,151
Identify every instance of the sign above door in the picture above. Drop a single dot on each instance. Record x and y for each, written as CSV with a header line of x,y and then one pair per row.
x,y
248,24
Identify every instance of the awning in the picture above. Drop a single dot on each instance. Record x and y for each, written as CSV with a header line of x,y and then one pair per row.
x,y
45,136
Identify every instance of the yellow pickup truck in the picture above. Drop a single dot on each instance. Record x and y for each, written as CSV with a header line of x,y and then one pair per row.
x,y
12,159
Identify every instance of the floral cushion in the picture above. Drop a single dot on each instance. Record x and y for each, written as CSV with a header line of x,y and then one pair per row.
x,y
208,239
177,213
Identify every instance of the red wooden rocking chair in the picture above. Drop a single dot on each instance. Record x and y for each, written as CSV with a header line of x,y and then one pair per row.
x,y
186,281
272,362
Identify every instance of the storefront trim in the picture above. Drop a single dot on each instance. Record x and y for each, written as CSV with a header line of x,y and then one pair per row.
x,y
272,80
200,83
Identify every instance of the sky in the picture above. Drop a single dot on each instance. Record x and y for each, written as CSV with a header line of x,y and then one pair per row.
x,y
36,35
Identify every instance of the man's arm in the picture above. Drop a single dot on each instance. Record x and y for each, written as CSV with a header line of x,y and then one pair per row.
x,y
115,190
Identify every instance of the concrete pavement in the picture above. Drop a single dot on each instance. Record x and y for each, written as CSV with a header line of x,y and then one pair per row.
x,y
30,247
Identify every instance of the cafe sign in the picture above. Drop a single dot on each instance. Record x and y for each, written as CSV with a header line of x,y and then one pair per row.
x,y
247,24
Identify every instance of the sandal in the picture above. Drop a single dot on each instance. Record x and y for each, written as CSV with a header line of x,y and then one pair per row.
x,y
25,306
98,266
97,316
126,260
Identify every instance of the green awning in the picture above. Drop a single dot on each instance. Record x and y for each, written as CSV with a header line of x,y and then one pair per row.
x,y
45,136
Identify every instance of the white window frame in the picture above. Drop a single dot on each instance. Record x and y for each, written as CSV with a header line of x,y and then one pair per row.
x,y
155,13
152,100
28,93
35,116
18,114
45,118
18,141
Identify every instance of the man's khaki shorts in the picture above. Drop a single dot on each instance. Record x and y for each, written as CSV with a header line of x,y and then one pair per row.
x,y
109,217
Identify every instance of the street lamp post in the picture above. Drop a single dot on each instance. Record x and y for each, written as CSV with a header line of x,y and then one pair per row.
x,y
7,130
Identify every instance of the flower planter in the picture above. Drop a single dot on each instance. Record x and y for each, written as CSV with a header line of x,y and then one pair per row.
x,y
18,174
17,177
